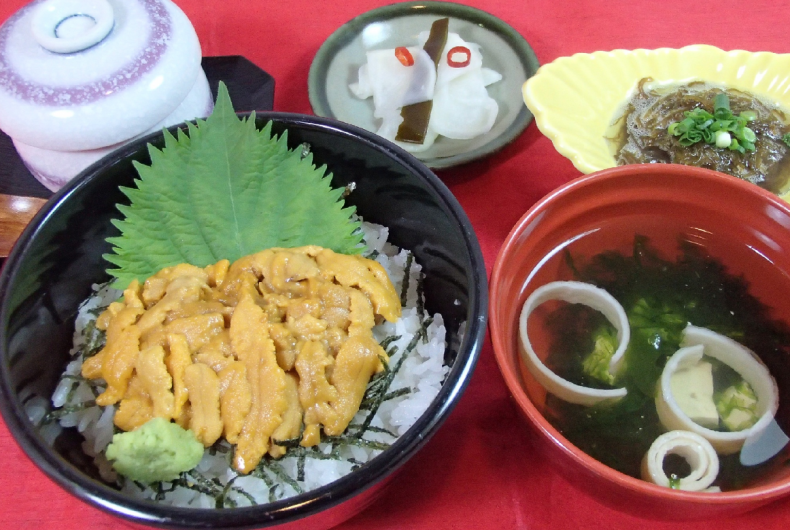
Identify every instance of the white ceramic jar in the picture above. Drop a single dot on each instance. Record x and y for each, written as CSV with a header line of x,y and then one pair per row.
x,y
79,78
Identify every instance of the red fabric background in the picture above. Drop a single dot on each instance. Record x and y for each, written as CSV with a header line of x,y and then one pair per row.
x,y
480,470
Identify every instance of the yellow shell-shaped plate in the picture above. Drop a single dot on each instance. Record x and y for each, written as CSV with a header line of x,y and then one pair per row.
x,y
576,99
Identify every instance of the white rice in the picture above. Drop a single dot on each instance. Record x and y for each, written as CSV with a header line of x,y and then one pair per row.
x,y
419,376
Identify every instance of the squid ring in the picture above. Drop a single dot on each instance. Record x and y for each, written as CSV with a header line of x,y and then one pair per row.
x,y
736,356
695,449
575,293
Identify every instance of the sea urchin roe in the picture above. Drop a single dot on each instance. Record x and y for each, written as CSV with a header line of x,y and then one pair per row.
x,y
255,352
643,136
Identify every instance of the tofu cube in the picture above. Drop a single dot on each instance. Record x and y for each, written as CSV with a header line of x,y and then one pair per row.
x,y
692,389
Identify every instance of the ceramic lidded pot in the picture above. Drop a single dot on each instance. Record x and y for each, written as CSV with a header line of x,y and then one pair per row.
x,y
79,78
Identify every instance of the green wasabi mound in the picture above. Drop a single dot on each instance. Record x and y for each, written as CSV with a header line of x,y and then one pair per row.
x,y
158,450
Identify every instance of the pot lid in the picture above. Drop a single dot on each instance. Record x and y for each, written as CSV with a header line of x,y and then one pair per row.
x,y
85,74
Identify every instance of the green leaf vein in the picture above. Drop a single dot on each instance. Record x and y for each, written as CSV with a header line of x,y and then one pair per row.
x,y
223,190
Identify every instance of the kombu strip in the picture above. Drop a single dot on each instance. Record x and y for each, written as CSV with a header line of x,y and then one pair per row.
x,y
417,115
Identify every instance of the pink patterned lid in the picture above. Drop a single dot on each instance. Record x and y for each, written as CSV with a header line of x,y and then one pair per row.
x,y
84,74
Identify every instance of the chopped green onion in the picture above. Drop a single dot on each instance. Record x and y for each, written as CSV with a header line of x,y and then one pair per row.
x,y
727,125
723,139
721,101
686,125
721,106
721,129
785,139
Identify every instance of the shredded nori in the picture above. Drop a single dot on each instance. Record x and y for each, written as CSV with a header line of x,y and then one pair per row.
x,y
300,461
64,411
389,340
277,470
377,389
404,291
420,299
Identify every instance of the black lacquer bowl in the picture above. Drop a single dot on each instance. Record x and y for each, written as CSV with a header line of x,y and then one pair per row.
x,y
57,258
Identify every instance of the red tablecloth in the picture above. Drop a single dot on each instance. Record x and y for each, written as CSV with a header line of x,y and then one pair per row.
x,y
480,470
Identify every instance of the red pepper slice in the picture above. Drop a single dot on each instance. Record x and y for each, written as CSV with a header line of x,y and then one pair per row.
x,y
404,56
459,64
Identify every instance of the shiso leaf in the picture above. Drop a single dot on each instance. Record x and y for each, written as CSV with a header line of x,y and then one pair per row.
x,y
224,191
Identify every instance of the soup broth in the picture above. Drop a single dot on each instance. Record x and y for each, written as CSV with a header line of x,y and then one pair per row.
x,y
664,277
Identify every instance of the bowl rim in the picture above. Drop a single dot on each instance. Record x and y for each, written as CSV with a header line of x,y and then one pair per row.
x,y
537,421
299,506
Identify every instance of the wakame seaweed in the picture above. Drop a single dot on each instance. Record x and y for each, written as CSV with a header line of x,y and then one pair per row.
x,y
660,298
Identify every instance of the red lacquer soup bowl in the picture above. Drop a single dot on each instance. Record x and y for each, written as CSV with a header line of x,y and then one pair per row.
x,y
737,223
